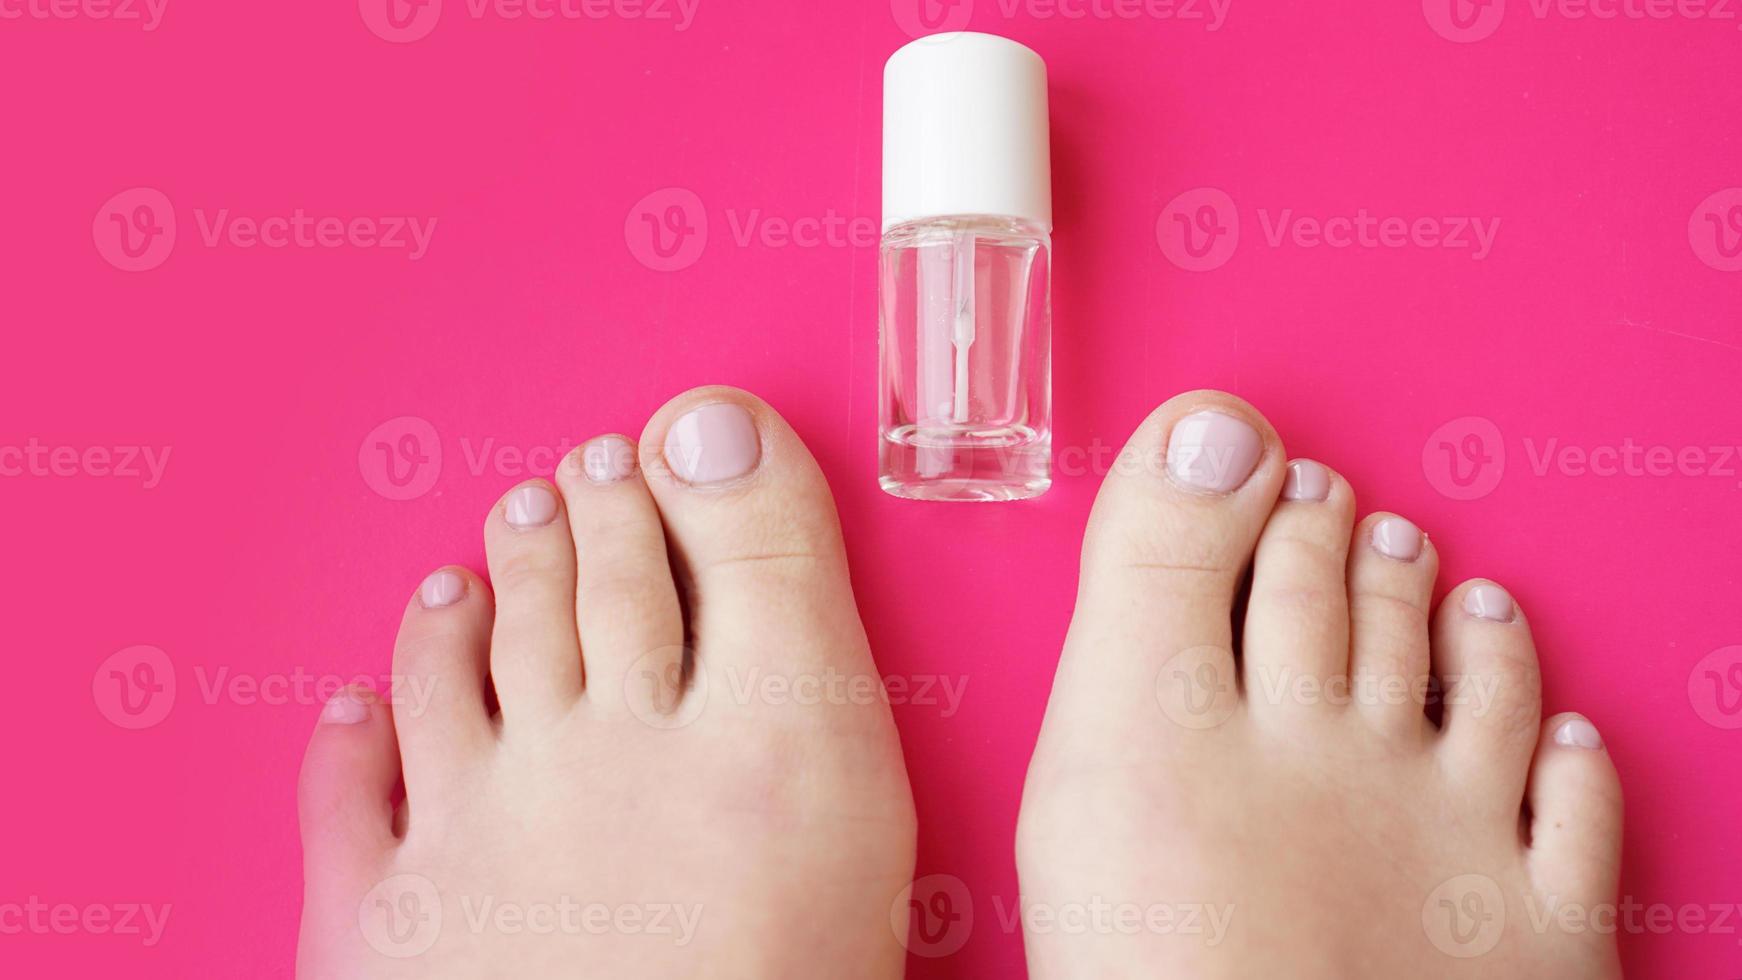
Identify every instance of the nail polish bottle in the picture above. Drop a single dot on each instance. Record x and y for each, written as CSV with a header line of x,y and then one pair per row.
x,y
964,272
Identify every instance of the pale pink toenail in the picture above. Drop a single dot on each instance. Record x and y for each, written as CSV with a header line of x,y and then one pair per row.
x,y
1578,733
1489,602
443,588
1307,480
608,460
344,708
530,506
1212,452
1396,537
713,444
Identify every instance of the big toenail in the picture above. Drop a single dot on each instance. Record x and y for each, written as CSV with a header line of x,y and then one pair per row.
x,y
344,708
1212,453
608,460
1396,537
1578,733
1489,602
1307,480
530,506
443,588
713,444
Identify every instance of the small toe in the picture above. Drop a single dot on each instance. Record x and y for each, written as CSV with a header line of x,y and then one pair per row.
x,y
345,793
626,603
1392,565
1485,662
1297,614
1575,808
535,655
440,662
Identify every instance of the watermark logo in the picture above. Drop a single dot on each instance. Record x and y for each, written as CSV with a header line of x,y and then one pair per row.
x,y
1464,21
1715,230
1199,230
135,229
1465,916
917,18
1196,689
933,916
37,459
1465,458
1715,688
39,918
659,694
401,458
667,230
402,916
135,688
400,21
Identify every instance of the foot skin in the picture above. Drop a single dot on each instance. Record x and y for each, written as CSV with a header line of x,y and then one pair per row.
x,y
1292,810
616,819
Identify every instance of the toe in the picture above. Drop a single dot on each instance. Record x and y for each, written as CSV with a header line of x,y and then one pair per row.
x,y
1392,565
345,793
535,656
1297,617
1170,536
1575,807
440,661
626,605
753,535
1492,690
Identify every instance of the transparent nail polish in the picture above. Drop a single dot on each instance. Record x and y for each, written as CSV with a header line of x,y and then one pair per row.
x,y
965,400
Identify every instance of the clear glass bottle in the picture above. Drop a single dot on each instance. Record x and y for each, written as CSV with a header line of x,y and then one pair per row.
x,y
965,324
964,272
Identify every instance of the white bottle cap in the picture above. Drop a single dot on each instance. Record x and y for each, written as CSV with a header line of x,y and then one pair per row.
x,y
964,130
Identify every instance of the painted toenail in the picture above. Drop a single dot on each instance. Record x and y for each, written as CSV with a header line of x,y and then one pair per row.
x,y
1212,453
1577,733
1396,537
530,506
1489,602
443,588
713,444
1307,480
344,708
608,460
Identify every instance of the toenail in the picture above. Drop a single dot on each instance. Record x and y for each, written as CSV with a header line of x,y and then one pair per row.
x,y
608,460
1396,537
1212,452
443,588
1307,480
1578,733
530,506
1489,602
344,708
713,444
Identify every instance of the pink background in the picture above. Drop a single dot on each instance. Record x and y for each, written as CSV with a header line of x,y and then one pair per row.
x,y
1600,316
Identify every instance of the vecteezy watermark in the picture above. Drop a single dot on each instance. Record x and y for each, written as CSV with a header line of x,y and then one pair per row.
x,y
1200,229
1097,916
36,459
1715,688
1466,916
136,230
1196,688
137,687
405,21
667,231
1715,230
918,18
1468,21
1464,459
402,458
403,917
663,690
147,14
933,916
35,917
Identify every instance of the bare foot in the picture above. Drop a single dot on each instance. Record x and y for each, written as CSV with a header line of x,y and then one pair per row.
x,y
615,820
1293,811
